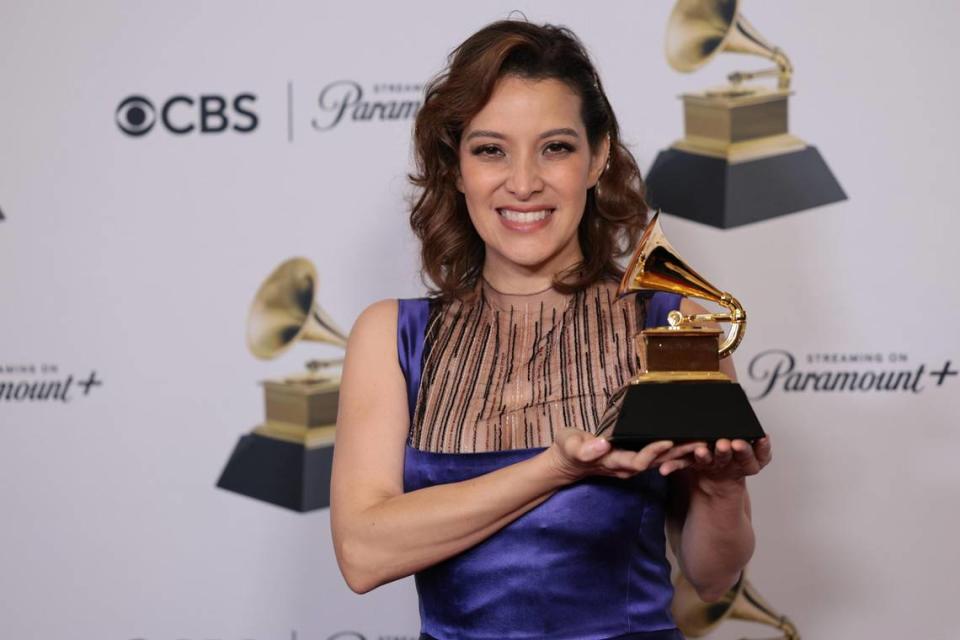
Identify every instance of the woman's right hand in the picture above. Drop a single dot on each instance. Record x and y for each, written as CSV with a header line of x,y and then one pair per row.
x,y
576,454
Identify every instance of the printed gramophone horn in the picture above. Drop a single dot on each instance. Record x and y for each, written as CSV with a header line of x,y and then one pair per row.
x,y
285,310
700,29
695,618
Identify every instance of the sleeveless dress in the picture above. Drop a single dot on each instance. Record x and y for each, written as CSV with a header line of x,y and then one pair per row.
x,y
588,563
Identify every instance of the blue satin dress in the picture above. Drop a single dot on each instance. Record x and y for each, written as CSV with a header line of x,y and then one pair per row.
x,y
588,563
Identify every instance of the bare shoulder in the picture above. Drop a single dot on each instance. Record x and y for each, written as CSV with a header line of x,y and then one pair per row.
x,y
378,321
372,344
371,358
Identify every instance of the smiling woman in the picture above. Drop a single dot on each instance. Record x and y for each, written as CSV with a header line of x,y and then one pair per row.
x,y
513,93
466,451
525,187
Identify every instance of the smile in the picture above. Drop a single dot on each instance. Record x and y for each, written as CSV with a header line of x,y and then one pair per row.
x,y
524,217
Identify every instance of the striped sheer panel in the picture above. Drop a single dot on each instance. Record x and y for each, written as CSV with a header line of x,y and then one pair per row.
x,y
507,371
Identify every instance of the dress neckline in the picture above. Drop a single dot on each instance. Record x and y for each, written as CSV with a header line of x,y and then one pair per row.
x,y
549,299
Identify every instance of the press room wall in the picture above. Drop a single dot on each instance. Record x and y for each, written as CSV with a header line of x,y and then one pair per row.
x,y
136,257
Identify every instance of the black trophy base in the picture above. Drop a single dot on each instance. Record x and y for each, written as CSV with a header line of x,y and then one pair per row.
x,y
286,474
684,412
721,194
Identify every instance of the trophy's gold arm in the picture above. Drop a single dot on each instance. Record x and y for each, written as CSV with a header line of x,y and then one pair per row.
x,y
743,37
737,317
783,71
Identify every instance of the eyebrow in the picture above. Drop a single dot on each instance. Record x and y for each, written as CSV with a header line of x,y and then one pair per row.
x,y
482,133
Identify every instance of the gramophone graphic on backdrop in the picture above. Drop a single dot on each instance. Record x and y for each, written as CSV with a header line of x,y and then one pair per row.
x,y
737,162
287,460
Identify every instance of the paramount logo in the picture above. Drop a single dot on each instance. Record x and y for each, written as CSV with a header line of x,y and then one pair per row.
x,y
347,100
19,383
776,370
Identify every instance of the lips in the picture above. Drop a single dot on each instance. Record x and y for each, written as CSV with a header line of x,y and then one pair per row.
x,y
524,217
528,219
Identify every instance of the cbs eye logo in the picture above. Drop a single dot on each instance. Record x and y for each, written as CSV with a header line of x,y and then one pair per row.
x,y
183,114
136,116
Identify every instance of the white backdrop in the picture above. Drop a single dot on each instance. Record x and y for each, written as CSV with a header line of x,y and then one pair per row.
x,y
136,258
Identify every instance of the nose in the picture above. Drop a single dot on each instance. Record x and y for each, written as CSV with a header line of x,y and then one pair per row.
x,y
524,179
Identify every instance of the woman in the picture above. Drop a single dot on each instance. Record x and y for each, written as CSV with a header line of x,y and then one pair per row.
x,y
466,449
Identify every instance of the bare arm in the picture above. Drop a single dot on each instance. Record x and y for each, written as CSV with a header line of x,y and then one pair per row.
x,y
381,533
709,526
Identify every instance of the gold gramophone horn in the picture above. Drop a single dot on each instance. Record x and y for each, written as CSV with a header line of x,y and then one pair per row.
x,y
655,266
285,310
696,618
700,29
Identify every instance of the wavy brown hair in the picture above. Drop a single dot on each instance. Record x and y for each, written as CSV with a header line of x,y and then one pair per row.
x,y
452,252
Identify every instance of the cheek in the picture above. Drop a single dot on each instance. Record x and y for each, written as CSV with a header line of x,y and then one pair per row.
x,y
574,175
570,181
479,189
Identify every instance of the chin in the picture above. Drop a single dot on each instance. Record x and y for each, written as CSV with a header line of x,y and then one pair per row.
x,y
530,259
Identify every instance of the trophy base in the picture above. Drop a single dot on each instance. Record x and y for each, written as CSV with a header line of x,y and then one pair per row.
x,y
684,412
280,472
725,194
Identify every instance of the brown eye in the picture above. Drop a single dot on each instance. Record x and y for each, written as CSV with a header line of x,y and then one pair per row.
x,y
559,148
487,150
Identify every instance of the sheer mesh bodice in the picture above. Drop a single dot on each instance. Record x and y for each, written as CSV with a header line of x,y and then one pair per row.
x,y
504,371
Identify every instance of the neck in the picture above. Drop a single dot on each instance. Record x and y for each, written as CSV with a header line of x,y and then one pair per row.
x,y
546,298
515,293
512,278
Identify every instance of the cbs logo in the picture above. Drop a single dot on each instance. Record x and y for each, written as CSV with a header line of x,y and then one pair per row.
x,y
182,114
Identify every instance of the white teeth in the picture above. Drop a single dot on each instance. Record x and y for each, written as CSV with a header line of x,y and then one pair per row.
x,y
524,217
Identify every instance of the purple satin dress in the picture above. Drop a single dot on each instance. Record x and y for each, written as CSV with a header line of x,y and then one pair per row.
x,y
589,563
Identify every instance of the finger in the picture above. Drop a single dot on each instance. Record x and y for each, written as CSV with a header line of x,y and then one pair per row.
x,y
573,444
742,450
743,456
619,460
592,449
679,451
675,465
763,451
645,457
703,456
570,438
722,453
633,461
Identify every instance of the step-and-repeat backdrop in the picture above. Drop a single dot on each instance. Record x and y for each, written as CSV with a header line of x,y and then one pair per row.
x,y
158,160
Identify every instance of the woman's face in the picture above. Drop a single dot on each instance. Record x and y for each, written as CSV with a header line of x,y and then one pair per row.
x,y
525,167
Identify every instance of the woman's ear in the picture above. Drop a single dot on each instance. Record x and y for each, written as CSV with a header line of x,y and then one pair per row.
x,y
459,181
600,161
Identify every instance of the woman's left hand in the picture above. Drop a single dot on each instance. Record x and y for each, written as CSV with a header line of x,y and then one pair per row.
x,y
727,465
